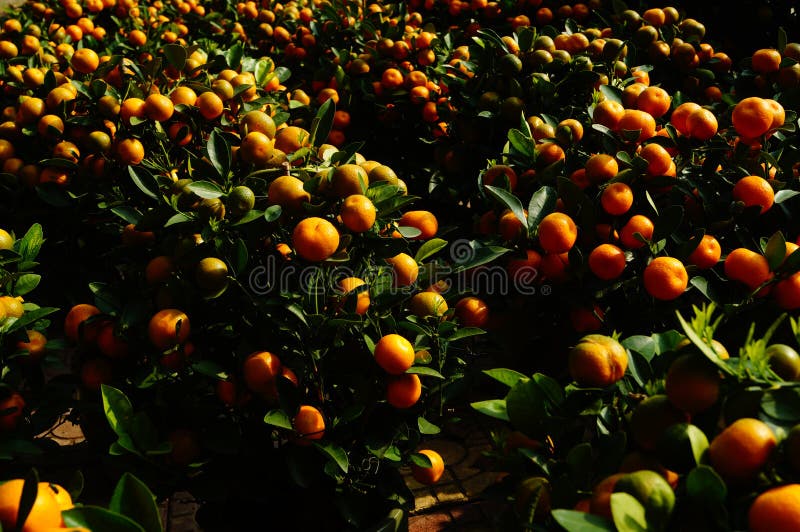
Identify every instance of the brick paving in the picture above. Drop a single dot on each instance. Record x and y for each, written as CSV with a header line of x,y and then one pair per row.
x,y
453,504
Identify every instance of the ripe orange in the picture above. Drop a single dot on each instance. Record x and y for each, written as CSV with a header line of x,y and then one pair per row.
x,y
752,117
260,370
349,284
11,410
706,255
748,267
608,113
425,221
349,179
426,304
315,239
557,233
288,192
429,475
472,312
159,270
292,138
617,198
45,514
109,343
35,345
158,107
607,261
510,227
85,61
692,383
742,449
641,121
597,361
394,354
766,61
776,509
256,148
658,159
787,292
681,114
167,328
701,124
358,213
210,105
654,101
637,224
308,424
130,151
75,317
754,190
601,167
403,391
404,269
665,278
600,503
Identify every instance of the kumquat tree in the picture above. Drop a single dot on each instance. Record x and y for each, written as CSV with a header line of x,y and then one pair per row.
x,y
266,253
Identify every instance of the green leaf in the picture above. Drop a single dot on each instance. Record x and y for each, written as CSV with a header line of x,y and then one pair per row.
x,y
127,213
704,484
26,283
145,181
99,519
176,55
424,370
426,427
509,377
702,346
611,93
29,245
466,332
252,215
782,39
421,460
262,70
521,143
272,213
542,203
783,195
322,123
628,513
31,316
132,498
219,153
575,521
178,218
335,453
205,189
118,409
509,200
278,418
409,232
495,408
430,248
525,405
30,491
775,250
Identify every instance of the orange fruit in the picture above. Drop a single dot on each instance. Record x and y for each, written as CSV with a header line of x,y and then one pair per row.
x,y
11,410
776,509
35,345
692,383
681,114
404,269
600,503
256,148
63,498
426,304
210,105
752,117
658,159
109,343
597,361
665,278
492,174
510,227
308,424
557,233
85,60
315,239
617,198
429,475
358,213
167,328
12,306
753,190
290,139
158,107
288,192
349,179
655,101
183,95
75,317
403,391
45,514
425,221
607,261
260,370
637,120
601,167
707,254
472,312
608,113
740,451
394,354
159,270
211,275
787,292
349,284
701,124
637,224
766,61
748,267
